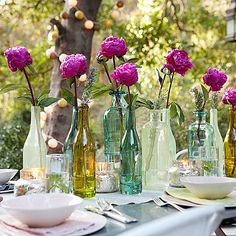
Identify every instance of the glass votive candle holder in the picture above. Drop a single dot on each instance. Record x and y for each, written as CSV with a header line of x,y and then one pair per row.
x,y
57,173
107,178
32,180
179,169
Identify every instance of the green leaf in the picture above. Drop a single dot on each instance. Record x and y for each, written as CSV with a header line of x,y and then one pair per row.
x,y
158,75
43,95
68,96
122,59
47,102
138,66
138,87
132,60
70,81
205,92
176,112
173,110
10,87
31,68
25,98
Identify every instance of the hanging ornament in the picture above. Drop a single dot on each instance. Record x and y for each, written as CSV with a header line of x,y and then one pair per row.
x,y
83,78
108,23
115,14
64,15
62,103
50,53
62,57
79,15
72,3
52,143
120,4
88,24
97,26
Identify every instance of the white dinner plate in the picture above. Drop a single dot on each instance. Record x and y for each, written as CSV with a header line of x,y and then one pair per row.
x,y
98,222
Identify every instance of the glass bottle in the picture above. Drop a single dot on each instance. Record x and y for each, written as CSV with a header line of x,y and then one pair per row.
x,y
131,158
84,157
158,146
218,141
34,150
114,126
230,145
200,145
69,142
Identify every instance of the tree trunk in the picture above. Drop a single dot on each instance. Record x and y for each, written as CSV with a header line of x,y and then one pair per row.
x,y
73,38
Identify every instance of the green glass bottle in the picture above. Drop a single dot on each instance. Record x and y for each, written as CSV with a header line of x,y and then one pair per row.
x,y
230,145
114,127
84,158
68,146
131,158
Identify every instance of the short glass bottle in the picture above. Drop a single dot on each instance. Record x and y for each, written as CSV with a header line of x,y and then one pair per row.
x,y
69,142
131,158
230,145
114,127
84,157
200,145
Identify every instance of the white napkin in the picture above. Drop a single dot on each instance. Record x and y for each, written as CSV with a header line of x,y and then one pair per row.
x,y
11,227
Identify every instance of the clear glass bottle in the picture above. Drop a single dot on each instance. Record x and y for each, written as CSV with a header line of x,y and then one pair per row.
x,y
159,149
218,141
69,142
200,145
230,145
131,158
114,126
84,158
35,149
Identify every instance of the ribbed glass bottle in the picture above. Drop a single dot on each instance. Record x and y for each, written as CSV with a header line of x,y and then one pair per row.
x,y
68,146
114,127
218,142
230,145
131,158
34,150
200,145
84,158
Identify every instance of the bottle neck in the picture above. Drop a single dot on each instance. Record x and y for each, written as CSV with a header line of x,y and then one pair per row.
x,y
35,116
154,116
75,116
232,118
83,117
165,116
214,117
200,116
131,119
118,99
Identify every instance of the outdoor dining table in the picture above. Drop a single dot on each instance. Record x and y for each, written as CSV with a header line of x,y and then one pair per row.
x,y
144,209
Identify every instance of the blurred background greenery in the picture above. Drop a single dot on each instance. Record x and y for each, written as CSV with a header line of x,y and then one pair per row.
x,y
150,28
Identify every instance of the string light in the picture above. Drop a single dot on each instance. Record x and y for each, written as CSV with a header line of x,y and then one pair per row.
x,y
108,23
64,15
83,78
62,57
120,4
43,115
88,24
72,3
62,103
79,15
115,14
52,143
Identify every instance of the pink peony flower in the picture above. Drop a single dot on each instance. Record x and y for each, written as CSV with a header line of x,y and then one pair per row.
x,y
229,97
215,79
179,61
113,46
73,65
17,58
125,74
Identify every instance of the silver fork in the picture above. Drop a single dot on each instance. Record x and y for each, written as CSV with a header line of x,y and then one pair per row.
x,y
106,206
159,202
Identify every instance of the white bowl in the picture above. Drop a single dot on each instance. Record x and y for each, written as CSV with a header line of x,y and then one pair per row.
x,y
6,175
42,209
209,187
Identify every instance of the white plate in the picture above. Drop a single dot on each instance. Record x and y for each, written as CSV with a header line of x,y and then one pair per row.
x,y
6,175
89,217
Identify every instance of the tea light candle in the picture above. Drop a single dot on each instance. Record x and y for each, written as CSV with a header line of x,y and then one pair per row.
x,y
106,177
33,173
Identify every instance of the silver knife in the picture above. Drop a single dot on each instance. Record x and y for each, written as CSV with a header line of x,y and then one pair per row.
x,y
122,218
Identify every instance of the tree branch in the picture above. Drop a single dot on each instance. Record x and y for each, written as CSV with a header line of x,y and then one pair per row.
x,y
60,27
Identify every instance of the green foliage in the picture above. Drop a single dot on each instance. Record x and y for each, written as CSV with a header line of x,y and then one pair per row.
x,y
12,137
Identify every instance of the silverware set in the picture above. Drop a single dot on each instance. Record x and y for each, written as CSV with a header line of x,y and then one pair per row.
x,y
161,202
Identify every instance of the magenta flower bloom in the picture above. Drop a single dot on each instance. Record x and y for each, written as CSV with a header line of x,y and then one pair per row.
x,y
215,79
179,61
125,74
73,65
17,58
113,46
229,97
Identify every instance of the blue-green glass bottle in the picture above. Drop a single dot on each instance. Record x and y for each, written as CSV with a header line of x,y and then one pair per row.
x,y
68,146
131,158
114,127
201,145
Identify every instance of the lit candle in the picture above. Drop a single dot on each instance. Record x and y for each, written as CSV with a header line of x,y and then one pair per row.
x,y
33,173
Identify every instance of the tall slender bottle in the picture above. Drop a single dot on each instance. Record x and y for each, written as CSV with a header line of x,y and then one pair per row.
x,y
230,145
84,158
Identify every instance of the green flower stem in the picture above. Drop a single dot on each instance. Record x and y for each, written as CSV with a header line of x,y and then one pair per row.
x,y
76,92
169,89
233,145
107,73
30,88
162,83
114,62
129,96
